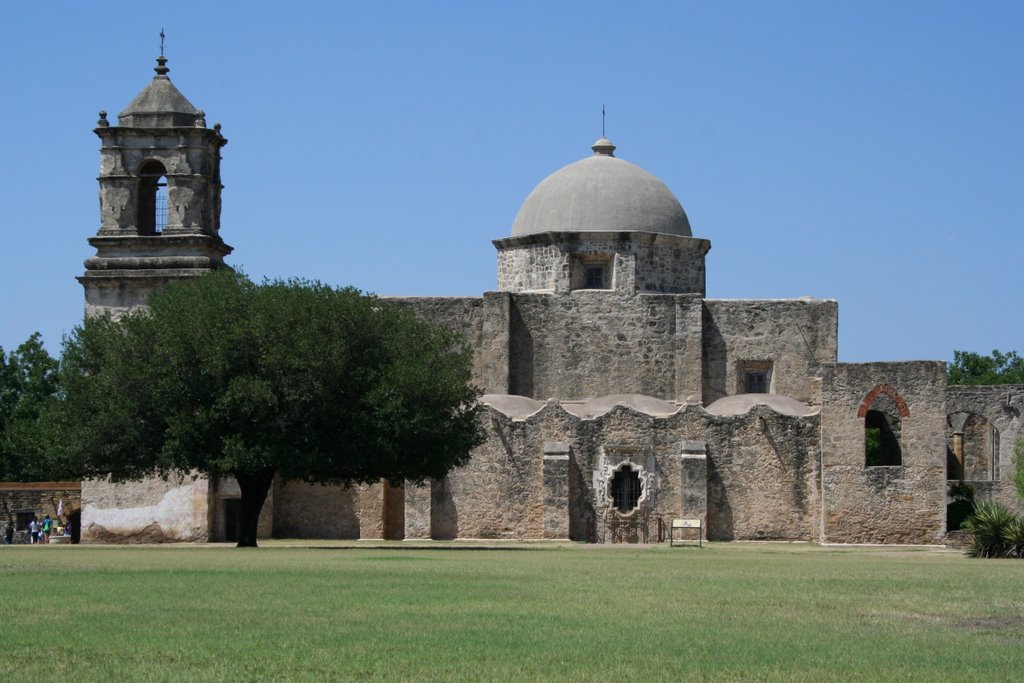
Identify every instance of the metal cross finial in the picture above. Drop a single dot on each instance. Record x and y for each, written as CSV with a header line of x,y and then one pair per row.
x,y
162,36
602,120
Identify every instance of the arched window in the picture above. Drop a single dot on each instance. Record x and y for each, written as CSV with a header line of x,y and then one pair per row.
x,y
882,431
152,198
626,489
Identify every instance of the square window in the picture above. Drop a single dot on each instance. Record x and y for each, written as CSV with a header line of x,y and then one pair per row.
x,y
757,383
592,271
753,376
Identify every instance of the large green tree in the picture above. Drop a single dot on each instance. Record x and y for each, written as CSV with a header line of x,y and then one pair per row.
x,y
285,378
975,368
28,382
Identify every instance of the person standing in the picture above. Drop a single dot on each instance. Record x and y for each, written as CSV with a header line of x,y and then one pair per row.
x,y
47,525
33,531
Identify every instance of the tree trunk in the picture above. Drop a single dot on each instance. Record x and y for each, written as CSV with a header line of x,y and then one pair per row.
x,y
254,488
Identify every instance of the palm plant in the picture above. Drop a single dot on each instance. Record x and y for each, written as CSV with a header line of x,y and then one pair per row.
x,y
988,528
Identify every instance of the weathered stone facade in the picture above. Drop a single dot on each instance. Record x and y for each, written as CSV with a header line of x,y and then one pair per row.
x,y
618,397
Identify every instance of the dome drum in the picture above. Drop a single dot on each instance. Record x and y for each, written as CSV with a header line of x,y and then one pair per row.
x,y
625,262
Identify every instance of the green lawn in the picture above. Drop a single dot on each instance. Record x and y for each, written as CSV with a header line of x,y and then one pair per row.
x,y
508,612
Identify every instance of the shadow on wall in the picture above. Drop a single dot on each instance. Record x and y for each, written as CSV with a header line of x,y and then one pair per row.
x,y
719,517
520,352
715,357
444,517
582,516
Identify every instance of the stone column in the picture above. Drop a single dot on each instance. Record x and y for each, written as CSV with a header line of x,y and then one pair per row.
x,y
693,481
556,490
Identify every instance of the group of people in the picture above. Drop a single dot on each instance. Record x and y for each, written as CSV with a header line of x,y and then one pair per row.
x,y
40,532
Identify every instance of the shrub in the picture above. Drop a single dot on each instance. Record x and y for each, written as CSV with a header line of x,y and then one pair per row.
x,y
988,528
1013,536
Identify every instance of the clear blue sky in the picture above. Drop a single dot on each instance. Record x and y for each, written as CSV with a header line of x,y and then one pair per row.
x,y
869,152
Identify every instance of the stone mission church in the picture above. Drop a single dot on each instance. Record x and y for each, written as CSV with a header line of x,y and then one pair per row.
x,y
618,396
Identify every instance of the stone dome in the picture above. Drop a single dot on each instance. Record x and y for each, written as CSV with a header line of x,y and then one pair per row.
x,y
601,193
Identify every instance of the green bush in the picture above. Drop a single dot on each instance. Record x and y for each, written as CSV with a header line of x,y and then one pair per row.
x,y
1013,536
988,529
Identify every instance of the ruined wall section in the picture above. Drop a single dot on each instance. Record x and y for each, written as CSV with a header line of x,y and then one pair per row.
x,y
793,338
1001,407
884,504
595,343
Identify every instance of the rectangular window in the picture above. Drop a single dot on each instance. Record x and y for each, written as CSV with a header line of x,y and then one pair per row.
x,y
594,277
24,518
757,383
592,271
753,376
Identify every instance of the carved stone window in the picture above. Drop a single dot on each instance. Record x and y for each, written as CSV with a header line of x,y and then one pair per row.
x,y
626,489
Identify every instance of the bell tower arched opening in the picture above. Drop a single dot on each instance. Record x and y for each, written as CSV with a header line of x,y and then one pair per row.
x,y
152,198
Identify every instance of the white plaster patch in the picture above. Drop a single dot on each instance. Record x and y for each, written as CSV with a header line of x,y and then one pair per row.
x,y
180,513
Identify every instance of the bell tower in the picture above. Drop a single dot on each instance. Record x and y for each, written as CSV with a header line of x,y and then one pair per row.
x,y
159,199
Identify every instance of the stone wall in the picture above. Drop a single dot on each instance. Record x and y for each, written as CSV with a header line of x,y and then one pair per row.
x,y
885,504
594,343
545,475
763,476
21,501
304,510
464,315
1000,407
792,338
153,510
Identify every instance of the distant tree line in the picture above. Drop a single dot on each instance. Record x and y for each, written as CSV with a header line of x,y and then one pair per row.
x,y
975,368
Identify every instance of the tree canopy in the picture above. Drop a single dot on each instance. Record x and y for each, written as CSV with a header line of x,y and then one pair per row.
x,y
286,378
28,383
975,368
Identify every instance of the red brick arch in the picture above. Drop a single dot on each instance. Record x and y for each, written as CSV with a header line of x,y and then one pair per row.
x,y
889,391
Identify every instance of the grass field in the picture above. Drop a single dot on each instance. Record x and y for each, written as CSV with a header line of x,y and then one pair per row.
x,y
508,612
